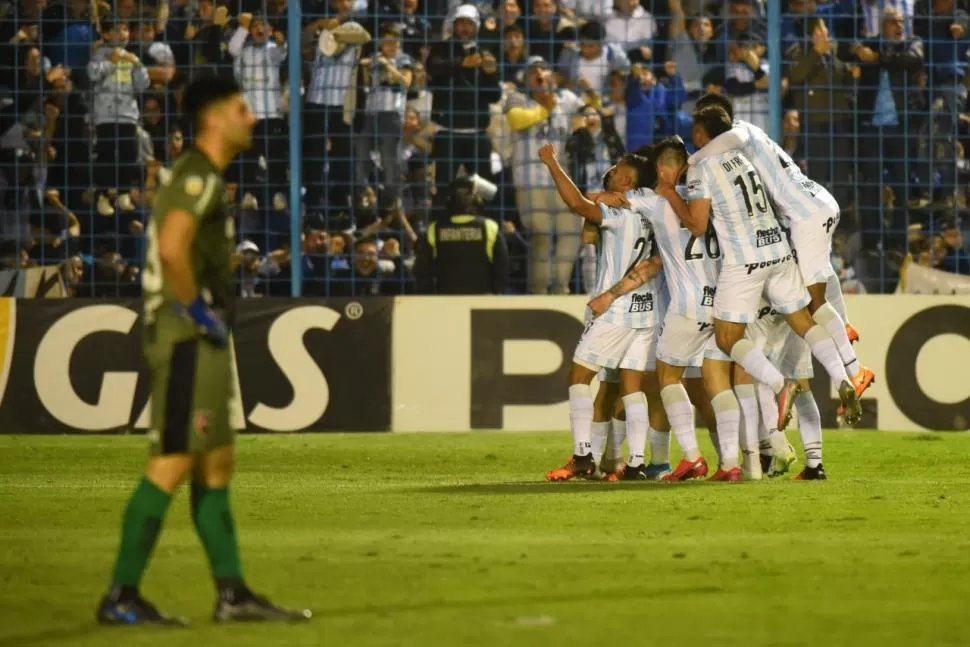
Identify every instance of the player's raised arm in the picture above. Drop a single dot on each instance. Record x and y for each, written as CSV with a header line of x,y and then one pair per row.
x,y
568,190
640,274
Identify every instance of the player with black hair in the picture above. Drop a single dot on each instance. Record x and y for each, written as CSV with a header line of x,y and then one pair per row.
x,y
187,314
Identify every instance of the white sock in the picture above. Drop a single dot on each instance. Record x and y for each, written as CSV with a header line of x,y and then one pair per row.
x,y
833,294
728,416
636,426
716,441
598,441
581,418
824,350
617,436
680,413
764,445
748,401
828,318
745,353
810,426
776,440
659,446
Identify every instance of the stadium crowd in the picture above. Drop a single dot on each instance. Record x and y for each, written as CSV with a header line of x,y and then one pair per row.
x,y
400,97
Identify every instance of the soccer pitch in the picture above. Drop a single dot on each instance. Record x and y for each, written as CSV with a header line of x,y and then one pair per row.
x,y
453,539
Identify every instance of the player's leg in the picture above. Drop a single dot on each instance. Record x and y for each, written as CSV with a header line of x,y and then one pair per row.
x,y
603,405
750,418
211,510
810,428
739,291
680,413
658,433
716,373
172,373
618,434
812,239
702,404
637,422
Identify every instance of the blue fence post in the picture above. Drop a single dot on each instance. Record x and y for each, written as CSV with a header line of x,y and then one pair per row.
x,y
774,68
295,60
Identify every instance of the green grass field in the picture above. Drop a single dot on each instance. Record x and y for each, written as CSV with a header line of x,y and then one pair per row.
x,y
452,539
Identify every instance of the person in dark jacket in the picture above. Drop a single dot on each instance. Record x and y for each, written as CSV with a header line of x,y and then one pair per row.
x,y
594,148
464,79
889,104
463,252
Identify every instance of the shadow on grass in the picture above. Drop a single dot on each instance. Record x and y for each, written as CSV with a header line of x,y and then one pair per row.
x,y
544,487
63,635
626,594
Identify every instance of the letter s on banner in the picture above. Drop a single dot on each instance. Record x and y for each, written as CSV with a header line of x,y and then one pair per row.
x,y
52,370
311,393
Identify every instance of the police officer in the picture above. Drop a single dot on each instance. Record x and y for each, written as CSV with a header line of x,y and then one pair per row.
x,y
463,252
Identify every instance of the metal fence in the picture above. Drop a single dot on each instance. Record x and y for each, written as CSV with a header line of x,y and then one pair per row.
x,y
368,109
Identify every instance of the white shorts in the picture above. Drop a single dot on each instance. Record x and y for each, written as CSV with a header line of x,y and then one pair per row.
x,y
610,346
783,348
682,339
740,287
811,240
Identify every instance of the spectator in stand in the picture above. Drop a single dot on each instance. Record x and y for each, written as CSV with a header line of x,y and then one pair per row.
x,y
822,89
464,79
955,258
510,15
632,28
889,107
692,50
258,58
593,148
543,114
415,29
740,17
388,75
548,31
76,34
588,69
157,57
650,109
415,151
746,82
580,11
117,80
330,107
873,16
515,56
368,276
944,28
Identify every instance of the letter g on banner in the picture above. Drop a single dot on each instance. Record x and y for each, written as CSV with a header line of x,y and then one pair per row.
x,y
901,374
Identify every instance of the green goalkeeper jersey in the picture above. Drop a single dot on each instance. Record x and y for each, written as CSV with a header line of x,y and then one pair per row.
x,y
197,187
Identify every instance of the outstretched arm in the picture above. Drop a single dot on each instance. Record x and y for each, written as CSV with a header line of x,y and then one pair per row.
x,y
643,272
568,191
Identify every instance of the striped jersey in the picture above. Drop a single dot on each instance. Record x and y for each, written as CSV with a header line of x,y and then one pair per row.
x,y
332,77
257,68
624,242
691,263
384,96
528,171
740,210
795,196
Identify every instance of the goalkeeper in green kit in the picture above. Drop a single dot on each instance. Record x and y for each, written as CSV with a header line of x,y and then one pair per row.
x,y
188,311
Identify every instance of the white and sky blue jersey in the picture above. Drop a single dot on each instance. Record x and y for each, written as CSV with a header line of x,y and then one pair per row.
x,y
795,195
624,242
740,210
690,263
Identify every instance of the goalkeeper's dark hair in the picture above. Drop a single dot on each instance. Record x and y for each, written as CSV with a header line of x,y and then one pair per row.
x,y
204,92
715,99
713,119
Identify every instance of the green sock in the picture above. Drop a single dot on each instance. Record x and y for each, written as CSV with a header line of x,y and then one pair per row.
x,y
139,531
216,529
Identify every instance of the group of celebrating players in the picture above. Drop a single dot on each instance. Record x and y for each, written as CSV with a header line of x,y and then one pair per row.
x,y
716,295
